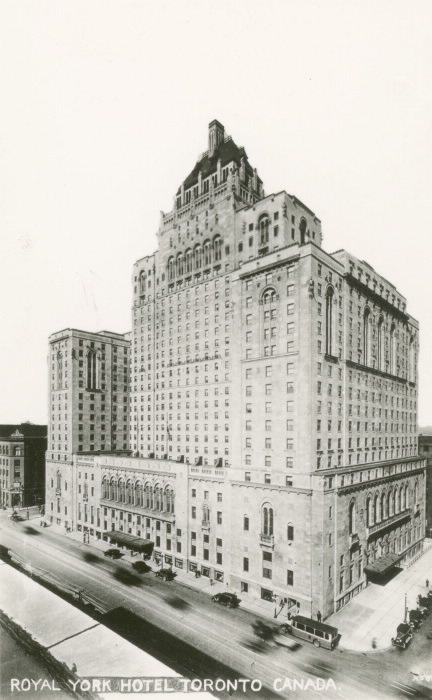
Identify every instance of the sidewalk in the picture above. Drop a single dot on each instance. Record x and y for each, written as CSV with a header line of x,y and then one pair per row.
x,y
377,611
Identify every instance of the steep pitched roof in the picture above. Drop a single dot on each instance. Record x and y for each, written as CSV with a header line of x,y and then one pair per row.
x,y
227,152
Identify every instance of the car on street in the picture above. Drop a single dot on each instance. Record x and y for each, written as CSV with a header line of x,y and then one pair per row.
x,y
228,599
415,618
403,636
283,638
16,516
141,567
113,553
166,574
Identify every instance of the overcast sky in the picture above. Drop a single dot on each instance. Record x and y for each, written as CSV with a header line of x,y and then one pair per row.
x,y
105,108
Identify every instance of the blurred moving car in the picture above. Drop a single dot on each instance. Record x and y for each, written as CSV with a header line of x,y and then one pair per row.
x,y
403,636
415,618
166,574
228,599
113,553
283,638
16,516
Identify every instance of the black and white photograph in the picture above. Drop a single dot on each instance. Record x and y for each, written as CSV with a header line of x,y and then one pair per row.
x,y
215,380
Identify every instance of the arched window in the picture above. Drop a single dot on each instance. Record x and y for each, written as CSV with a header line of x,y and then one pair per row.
x,y
188,261
406,500
267,520
352,518
129,491
17,451
158,498
399,500
207,253
303,227
392,350
121,491
369,512
142,281
383,508
380,344
197,257
171,269
263,227
411,361
105,490
366,336
169,499
92,370
113,490
329,321
376,509
179,265
59,370
138,497
269,296
147,496
217,248
416,493
389,505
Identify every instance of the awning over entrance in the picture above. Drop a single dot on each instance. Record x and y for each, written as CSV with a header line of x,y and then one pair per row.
x,y
382,565
138,544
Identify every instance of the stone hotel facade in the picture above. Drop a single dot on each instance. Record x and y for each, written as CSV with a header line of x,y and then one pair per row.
x,y
272,402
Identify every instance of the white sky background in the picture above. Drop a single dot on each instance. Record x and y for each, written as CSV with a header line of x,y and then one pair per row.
x,y
104,109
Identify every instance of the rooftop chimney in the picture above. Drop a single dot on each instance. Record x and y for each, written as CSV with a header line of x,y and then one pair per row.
x,y
216,135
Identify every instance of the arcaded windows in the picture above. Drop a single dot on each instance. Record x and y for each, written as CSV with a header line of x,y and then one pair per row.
x,y
217,248
352,518
267,520
59,370
376,513
366,336
138,494
92,370
329,321
169,499
416,493
147,495
158,498
105,491
58,480
269,297
263,227
383,508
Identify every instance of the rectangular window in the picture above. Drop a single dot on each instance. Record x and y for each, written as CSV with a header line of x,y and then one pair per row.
x,y
245,564
245,523
267,573
290,577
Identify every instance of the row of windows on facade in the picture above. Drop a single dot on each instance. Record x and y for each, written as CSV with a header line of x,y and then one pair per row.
x,y
93,371
382,506
17,450
135,493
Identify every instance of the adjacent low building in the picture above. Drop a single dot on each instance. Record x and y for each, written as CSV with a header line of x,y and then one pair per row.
x,y
22,464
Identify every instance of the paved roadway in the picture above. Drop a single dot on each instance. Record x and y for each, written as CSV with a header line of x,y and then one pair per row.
x,y
146,604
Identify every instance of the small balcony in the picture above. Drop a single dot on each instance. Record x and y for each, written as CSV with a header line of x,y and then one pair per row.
x,y
266,540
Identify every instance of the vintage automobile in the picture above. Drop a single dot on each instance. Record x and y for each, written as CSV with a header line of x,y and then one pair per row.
x,y
141,567
403,635
425,602
166,574
415,618
283,638
113,553
228,599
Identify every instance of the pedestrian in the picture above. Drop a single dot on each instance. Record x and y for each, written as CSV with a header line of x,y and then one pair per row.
x,y
427,583
319,618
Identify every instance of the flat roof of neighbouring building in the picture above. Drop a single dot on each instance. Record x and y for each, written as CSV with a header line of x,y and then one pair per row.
x,y
26,429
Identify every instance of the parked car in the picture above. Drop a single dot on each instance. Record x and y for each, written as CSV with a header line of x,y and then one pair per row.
x,y
141,567
113,553
425,602
403,636
166,574
415,618
228,599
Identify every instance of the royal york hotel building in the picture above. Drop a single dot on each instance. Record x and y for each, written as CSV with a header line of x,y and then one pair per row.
x,y
259,423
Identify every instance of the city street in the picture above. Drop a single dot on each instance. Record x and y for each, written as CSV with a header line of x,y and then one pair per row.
x,y
146,603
